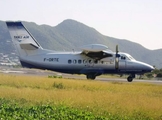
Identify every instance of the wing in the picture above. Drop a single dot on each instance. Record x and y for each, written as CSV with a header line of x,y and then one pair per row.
x,y
96,51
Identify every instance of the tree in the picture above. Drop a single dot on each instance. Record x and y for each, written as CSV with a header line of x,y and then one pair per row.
x,y
155,71
149,75
159,74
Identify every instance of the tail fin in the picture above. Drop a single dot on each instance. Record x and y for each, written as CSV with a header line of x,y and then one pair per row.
x,y
24,42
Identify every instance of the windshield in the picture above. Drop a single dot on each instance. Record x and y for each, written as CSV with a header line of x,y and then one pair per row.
x,y
130,57
126,56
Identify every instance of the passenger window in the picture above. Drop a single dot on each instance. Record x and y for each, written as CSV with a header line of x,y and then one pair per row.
x,y
79,61
74,61
69,61
84,61
96,61
90,61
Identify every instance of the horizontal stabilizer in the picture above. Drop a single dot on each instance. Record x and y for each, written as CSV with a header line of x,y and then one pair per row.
x,y
28,46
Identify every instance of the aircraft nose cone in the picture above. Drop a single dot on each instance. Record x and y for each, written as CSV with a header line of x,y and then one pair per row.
x,y
149,67
145,67
152,68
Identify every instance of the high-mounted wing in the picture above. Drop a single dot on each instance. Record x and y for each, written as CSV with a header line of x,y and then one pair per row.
x,y
95,51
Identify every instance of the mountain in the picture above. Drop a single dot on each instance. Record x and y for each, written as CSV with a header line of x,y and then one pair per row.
x,y
71,34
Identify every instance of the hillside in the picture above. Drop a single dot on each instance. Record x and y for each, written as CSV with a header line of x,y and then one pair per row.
x,y
71,34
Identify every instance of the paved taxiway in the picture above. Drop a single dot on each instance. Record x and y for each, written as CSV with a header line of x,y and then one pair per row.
x,y
37,72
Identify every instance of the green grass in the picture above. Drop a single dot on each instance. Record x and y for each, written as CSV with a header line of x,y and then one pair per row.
x,y
82,99
11,110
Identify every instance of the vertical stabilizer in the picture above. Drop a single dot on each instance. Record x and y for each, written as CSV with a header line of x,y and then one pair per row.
x,y
24,42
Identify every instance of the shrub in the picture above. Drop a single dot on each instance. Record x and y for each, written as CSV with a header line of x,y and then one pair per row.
x,y
58,85
159,75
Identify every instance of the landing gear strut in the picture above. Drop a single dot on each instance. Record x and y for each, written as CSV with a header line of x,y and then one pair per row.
x,y
130,78
91,77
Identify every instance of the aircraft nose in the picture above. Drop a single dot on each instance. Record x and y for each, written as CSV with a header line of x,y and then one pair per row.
x,y
152,68
144,66
148,67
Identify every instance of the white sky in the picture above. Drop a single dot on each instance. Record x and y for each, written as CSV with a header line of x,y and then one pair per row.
x,y
139,21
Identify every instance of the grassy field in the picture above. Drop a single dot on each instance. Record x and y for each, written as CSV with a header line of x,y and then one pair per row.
x,y
82,99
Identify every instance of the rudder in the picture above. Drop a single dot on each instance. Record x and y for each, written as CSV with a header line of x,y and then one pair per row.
x,y
24,42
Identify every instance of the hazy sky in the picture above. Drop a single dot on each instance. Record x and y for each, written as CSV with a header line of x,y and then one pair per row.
x,y
139,21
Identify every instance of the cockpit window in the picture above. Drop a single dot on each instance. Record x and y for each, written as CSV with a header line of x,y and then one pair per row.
x,y
123,57
130,57
127,57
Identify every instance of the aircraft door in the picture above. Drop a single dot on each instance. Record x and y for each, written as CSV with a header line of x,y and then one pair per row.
x,y
122,63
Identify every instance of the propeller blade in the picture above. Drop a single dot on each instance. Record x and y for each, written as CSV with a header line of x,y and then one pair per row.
x,y
117,58
117,49
116,63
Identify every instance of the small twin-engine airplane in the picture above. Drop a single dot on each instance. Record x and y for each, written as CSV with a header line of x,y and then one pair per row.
x,y
93,60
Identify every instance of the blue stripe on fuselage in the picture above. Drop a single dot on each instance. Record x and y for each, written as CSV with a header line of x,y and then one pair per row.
x,y
81,71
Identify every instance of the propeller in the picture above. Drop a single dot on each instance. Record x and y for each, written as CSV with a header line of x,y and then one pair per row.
x,y
117,58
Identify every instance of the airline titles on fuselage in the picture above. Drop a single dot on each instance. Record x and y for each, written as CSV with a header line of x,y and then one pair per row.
x,y
51,59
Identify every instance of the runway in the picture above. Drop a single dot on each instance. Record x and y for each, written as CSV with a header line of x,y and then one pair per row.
x,y
37,72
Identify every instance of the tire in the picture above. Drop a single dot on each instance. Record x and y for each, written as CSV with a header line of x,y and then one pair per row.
x,y
130,79
91,77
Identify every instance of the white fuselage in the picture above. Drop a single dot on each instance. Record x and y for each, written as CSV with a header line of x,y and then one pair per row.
x,y
75,63
93,60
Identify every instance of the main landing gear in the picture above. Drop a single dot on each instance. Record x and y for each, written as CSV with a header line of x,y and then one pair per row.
x,y
91,77
130,78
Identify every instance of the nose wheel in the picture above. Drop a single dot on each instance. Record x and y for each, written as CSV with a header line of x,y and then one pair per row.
x,y
130,78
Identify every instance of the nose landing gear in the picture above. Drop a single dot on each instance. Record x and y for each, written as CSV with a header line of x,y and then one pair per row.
x,y
130,77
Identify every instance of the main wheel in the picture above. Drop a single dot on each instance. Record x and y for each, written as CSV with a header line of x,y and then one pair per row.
x,y
130,79
91,77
